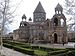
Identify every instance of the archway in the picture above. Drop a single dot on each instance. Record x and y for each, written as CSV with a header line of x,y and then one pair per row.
x,y
55,22
55,38
62,23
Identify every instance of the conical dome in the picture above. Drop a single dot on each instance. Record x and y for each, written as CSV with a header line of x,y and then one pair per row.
x,y
58,7
39,8
30,19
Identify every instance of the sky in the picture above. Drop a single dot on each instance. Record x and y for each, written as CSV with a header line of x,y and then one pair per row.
x,y
27,7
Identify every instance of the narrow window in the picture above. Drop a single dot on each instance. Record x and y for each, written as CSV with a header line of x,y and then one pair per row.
x,y
55,22
62,22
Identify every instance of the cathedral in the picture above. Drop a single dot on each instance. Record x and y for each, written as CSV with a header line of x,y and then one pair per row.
x,y
52,30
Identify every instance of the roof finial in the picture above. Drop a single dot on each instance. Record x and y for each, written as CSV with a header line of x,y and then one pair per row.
x,y
39,2
30,19
24,17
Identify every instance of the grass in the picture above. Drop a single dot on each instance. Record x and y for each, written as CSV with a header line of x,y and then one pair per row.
x,y
40,52
43,51
37,52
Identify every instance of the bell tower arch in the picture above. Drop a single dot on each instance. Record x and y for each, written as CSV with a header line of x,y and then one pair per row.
x,y
59,25
58,9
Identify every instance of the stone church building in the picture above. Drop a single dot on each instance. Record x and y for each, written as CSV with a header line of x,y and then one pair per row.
x,y
52,30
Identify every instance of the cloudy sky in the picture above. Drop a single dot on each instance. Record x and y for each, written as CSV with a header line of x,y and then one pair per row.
x,y
27,7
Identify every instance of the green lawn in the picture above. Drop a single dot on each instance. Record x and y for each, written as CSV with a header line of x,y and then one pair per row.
x,y
40,52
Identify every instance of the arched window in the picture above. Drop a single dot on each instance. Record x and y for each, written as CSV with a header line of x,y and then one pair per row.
x,y
55,22
25,24
21,24
59,12
56,12
62,22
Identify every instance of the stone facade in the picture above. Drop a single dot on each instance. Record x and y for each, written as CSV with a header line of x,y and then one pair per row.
x,y
71,35
52,30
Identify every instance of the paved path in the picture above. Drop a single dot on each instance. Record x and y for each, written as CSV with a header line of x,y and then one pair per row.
x,y
69,45
11,52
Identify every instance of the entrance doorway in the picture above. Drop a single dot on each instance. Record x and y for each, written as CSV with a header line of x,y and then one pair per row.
x,y
55,38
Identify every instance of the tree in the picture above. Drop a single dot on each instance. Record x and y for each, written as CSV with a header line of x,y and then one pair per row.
x,y
6,16
7,13
70,11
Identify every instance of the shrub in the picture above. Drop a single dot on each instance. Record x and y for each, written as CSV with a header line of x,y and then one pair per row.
x,y
49,49
35,47
57,52
8,45
16,43
24,50
63,54
25,46
20,49
70,48
71,53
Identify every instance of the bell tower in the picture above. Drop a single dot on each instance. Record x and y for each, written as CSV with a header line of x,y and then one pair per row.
x,y
58,9
59,19
59,26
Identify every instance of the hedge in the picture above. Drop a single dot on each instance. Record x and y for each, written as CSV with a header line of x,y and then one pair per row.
x,y
24,46
50,49
63,54
27,49
20,49
57,52
15,43
32,47
24,50
70,49
71,53
8,46
35,47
